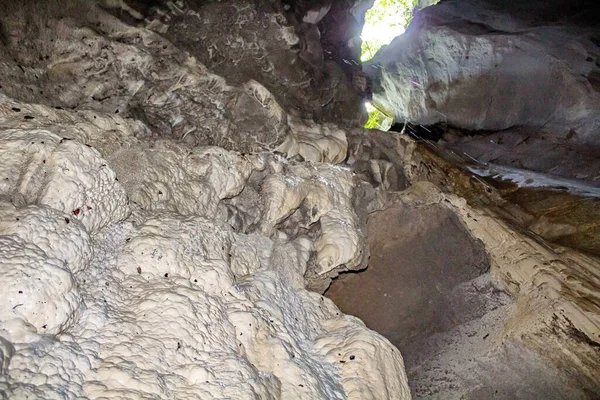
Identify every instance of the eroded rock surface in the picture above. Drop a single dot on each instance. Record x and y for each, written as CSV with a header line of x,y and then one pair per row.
x,y
181,180
125,280
500,334
153,245
522,75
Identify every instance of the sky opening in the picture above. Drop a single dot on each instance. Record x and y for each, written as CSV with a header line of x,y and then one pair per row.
x,y
386,20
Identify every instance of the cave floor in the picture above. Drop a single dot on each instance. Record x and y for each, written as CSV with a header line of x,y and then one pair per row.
x,y
429,291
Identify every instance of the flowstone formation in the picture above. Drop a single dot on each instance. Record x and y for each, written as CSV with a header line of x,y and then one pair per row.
x,y
161,224
181,181
479,306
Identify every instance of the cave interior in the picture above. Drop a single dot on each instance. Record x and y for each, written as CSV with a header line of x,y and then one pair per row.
x,y
228,199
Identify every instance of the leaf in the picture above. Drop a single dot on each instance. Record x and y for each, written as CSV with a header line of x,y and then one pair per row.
x,y
386,14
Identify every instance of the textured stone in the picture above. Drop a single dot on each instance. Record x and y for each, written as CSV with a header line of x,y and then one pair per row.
x,y
492,65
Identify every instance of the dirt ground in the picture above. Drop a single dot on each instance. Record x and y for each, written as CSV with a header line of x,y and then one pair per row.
x,y
429,291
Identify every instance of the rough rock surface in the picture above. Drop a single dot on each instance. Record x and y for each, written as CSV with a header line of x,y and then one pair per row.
x,y
523,75
489,66
152,244
528,328
145,286
180,180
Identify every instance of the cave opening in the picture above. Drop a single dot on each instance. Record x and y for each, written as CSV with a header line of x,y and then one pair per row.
x,y
386,20
383,22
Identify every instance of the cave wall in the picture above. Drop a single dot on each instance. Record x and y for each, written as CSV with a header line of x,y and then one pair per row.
x,y
181,180
491,65
260,51
172,204
527,328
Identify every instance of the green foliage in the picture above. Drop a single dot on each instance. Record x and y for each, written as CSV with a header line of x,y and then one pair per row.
x,y
383,22
379,118
369,48
385,16
383,8
373,122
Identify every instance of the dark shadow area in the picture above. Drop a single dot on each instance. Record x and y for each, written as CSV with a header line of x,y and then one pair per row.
x,y
421,132
420,259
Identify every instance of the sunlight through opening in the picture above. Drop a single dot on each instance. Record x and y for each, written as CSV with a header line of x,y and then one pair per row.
x,y
386,20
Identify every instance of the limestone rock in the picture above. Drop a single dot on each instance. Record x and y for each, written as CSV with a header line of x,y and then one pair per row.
x,y
161,225
489,66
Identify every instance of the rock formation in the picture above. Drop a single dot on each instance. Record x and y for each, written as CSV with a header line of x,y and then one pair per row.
x,y
525,71
181,181
154,244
